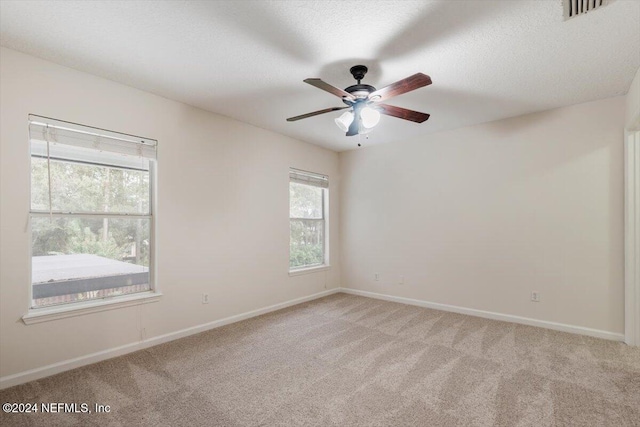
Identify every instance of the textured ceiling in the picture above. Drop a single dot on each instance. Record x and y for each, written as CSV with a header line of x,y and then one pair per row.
x,y
243,59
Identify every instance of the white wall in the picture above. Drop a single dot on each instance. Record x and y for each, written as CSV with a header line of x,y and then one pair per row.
x,y
481,216
222,220
633,104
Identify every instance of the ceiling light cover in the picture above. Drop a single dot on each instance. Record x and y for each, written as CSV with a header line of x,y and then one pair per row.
x,y
344,121
370,117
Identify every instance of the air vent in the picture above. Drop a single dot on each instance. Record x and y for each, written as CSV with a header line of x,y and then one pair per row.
x,y
573,8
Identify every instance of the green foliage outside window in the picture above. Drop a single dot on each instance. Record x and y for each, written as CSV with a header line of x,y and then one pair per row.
x,y
78,188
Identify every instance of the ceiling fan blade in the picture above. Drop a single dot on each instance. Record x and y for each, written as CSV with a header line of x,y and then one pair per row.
x,y
402,113
315,113
328,88
403,86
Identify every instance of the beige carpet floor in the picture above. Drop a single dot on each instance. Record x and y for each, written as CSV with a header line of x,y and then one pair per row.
x,y
346,360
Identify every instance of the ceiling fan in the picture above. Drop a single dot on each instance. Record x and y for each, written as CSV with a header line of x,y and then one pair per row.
x,y
364,102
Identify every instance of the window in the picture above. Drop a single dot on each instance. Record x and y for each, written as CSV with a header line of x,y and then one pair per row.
x,y
307,219
91,213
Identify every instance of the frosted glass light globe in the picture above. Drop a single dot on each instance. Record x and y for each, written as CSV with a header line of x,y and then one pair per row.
x,y
370,117
344,121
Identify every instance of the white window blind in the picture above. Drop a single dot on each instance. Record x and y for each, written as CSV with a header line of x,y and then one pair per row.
x,y
308,178
63,140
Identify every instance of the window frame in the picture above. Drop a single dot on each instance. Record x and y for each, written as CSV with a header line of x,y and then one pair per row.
x,y
59,311
295,271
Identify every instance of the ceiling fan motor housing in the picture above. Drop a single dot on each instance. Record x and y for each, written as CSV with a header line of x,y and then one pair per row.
x,y
360,91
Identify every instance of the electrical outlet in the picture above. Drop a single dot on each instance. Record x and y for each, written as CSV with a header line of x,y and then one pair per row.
x,y
205,298
377,277
401,281
535,296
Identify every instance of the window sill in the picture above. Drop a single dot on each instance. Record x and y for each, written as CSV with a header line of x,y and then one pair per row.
x,y
46,314
309,270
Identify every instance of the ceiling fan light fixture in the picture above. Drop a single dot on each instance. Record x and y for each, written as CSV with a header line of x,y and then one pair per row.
x,y
344,121
363,102
370,117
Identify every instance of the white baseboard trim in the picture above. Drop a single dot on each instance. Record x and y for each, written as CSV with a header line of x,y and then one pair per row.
x,y
66,365
492,315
